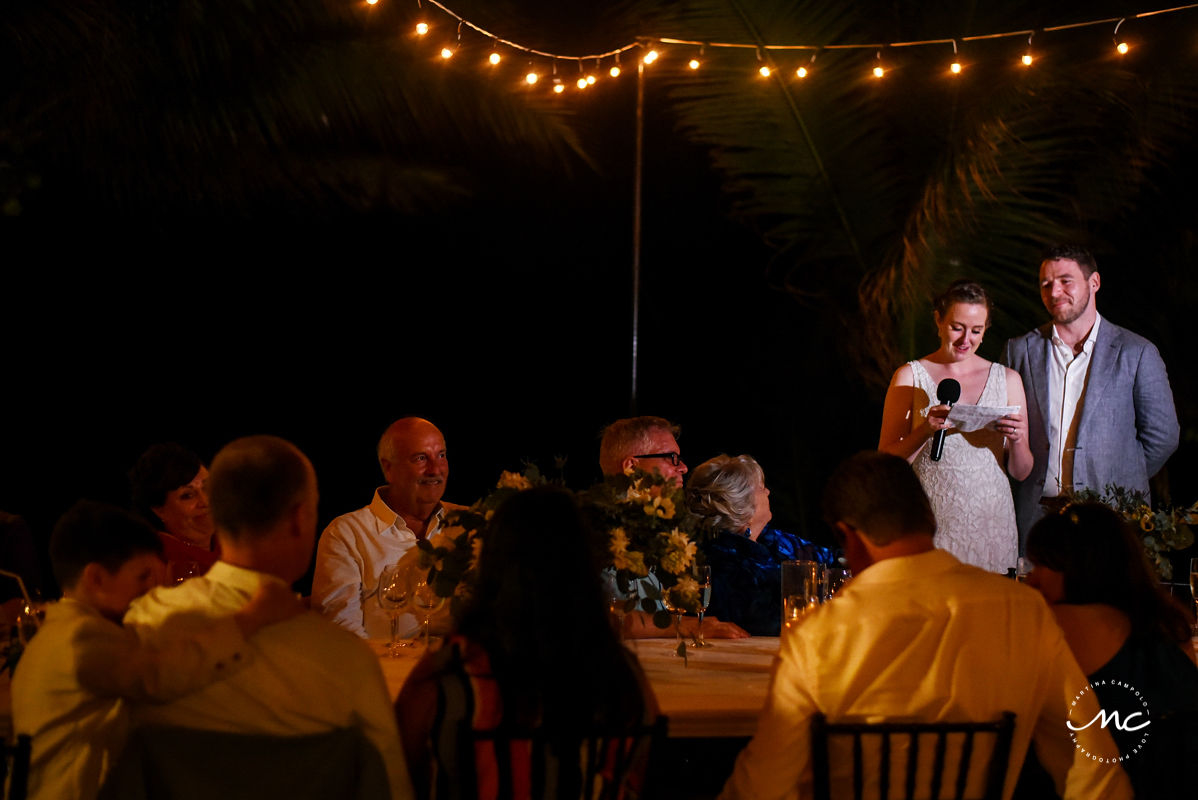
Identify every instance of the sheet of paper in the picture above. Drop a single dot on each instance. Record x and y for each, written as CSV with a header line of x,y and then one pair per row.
x,y
966,418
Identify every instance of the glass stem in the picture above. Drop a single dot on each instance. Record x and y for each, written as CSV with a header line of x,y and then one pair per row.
x,y
394,633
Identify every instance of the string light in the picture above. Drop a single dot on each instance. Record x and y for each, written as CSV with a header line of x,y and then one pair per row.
x,y
1120,46
582,83
558,86
371,2
651,52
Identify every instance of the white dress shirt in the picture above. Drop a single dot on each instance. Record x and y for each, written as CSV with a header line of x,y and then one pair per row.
x,y
925,637
1067,375
73,681
307,675
352,552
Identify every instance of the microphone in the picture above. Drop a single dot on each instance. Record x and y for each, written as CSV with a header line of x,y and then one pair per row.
x,y
947,391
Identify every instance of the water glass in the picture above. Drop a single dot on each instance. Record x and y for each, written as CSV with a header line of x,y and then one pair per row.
x,y
803,589
703,576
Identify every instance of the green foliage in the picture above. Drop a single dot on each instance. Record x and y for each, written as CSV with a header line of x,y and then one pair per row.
x,y
1161,530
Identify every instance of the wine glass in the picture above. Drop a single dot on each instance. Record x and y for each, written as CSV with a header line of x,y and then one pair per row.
x,y
426,599
394,593
837,577
670,601
703,576
803,589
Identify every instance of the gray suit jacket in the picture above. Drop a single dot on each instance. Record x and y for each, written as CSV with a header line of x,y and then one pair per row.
x,y
1128,427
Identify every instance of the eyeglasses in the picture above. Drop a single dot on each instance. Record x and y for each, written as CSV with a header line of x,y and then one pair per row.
x,y
674,458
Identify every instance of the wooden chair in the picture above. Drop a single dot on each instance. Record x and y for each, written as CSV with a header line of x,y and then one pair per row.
x,y
14,768
511,763
911,734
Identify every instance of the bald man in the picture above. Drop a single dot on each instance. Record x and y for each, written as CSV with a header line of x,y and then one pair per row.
x,y
355,547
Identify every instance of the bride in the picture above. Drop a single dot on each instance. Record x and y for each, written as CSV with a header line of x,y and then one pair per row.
x,y
975,516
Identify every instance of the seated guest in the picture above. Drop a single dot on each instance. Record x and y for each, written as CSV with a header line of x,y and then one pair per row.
x,y
534,646
650,444
1125,632
729,496
170,491
355,547
305,675
73,679
920,636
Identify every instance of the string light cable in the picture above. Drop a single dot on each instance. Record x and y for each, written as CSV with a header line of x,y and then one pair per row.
x,y
649,46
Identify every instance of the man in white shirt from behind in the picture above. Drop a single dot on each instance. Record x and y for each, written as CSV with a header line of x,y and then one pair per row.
x,y
355,547
917,635
306,676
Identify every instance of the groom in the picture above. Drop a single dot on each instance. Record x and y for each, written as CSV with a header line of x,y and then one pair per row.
x,y
1100,409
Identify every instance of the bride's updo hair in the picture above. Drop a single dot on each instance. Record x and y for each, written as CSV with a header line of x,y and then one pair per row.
x,y
721,492
963,291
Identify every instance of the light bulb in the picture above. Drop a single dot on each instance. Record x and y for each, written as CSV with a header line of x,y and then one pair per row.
x,y
801,72
693,63
955,68
765,72
590,80
614,72
494,58
1122,48
650,57
531,78
421,28
371,2
582,83
558,88
879,72
1027,59
446,52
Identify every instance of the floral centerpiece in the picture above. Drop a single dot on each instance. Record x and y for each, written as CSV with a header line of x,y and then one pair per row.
x,y
451,555
1161,529
652,542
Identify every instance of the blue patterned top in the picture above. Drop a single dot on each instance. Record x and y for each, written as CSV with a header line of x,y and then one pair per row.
x,y
746,576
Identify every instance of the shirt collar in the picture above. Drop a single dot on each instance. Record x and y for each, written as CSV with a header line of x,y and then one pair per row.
x,y
1088,345
241,579
387,516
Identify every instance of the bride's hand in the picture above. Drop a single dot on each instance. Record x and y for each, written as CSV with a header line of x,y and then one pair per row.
x,y
938,418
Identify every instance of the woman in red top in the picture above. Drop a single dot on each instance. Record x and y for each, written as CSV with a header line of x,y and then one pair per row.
x,y
170,490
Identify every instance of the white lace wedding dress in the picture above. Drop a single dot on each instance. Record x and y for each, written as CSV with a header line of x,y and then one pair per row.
x,y
968,487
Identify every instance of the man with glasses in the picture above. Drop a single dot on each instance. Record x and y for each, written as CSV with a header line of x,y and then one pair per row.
x,y
648,443
651,444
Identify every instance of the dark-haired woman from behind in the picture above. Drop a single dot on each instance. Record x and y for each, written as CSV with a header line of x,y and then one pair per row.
x,y
169,485
1130,639
534,648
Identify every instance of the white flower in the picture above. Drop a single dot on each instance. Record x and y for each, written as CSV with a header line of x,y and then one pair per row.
x,y
680,553
513,480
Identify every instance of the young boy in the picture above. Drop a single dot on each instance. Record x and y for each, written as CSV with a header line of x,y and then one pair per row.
x,y
72,685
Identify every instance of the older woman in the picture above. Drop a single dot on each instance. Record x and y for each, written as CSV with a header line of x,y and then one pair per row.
x,y
729,496
967,483
170,490
1130,639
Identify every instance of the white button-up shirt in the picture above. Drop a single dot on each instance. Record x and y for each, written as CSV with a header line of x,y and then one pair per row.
x,y
925,637
352,552
1067,375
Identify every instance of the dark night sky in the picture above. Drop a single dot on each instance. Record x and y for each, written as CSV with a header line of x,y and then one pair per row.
x,y
505,321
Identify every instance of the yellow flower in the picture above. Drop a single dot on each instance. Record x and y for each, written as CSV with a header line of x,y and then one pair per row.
x,y
634,562
635,494
686,592
1147,523
662,507
680,553
619,541
513,480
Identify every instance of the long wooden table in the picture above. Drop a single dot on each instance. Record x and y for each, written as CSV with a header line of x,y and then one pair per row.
x,y
718,692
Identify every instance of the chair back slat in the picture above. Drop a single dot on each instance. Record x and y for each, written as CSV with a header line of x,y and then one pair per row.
x,y
954,746
963,768
596,764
